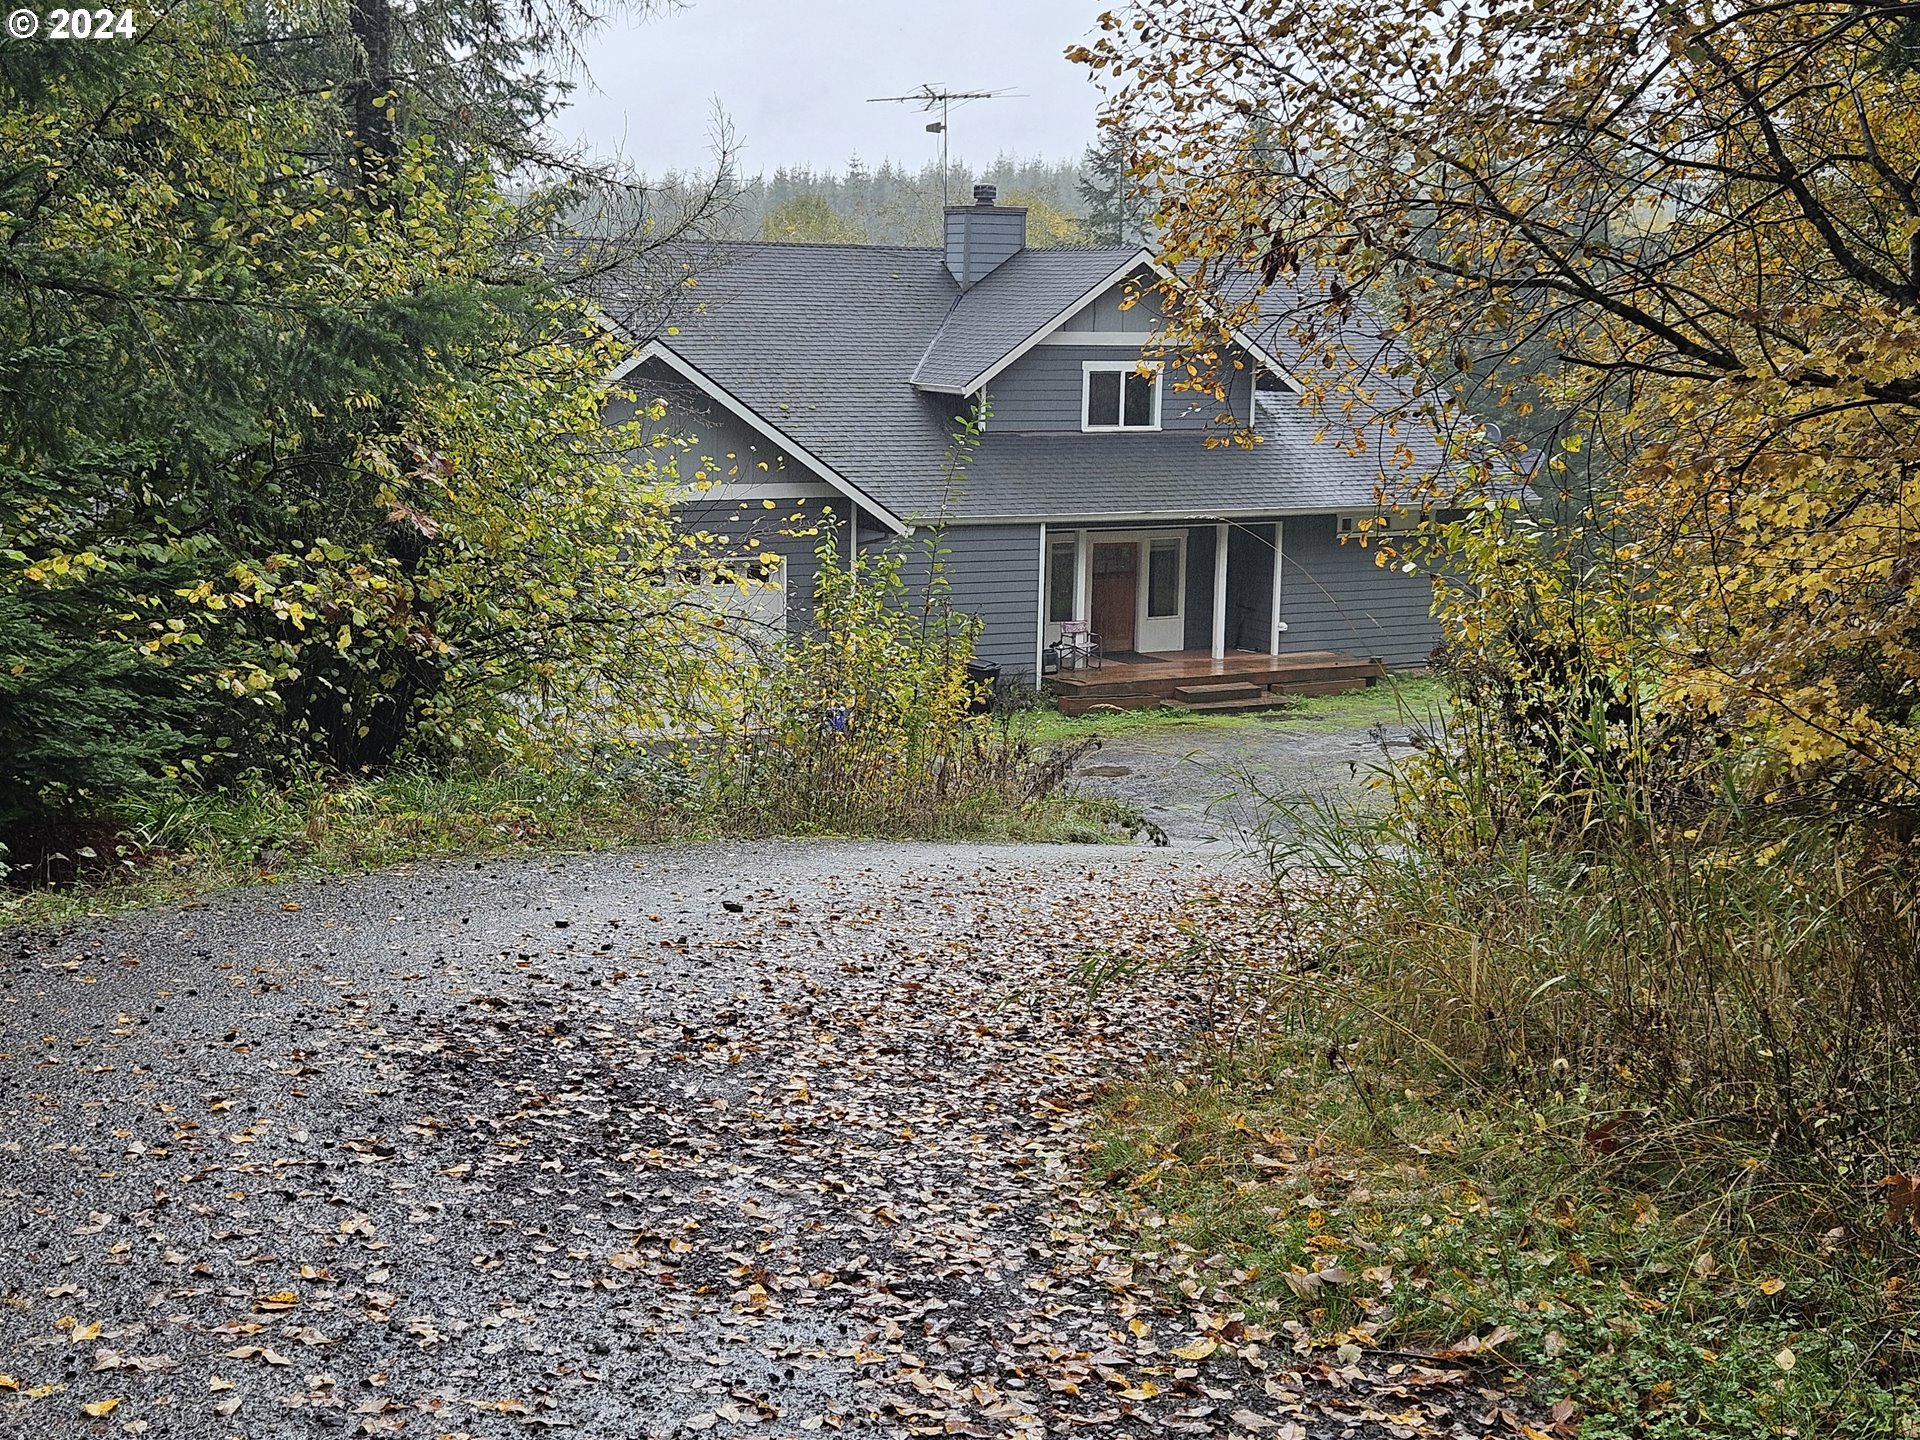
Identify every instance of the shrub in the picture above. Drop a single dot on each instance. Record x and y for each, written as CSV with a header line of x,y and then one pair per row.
x,y
1686,1005
866,721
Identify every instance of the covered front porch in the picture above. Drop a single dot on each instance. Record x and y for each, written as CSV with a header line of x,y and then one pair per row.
x,y
1195,680
1184,612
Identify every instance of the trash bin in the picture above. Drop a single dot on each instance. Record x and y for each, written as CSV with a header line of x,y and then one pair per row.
x,y
982,676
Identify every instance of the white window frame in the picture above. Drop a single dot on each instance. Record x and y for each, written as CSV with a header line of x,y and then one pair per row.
x,y
1373,522
1178,539
1070,541
1135,367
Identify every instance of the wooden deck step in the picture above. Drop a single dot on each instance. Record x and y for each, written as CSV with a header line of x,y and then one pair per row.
x,y
1323,687
1167,685
1244,705
1193,679
1222,690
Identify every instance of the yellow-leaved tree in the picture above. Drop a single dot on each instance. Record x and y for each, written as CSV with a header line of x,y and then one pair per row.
x,y
1674,249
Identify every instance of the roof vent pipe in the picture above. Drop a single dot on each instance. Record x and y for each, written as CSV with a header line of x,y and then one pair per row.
x,y
984,194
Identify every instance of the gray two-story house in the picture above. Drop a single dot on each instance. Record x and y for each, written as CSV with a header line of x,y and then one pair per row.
x,y
829,380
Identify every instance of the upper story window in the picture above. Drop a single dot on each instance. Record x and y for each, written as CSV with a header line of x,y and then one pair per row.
x,y
1120,395
1378,522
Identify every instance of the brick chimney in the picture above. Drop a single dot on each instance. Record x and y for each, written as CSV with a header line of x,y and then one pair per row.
x,y
983,235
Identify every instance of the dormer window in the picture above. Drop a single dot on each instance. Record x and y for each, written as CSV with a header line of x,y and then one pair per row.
x,y
1120,395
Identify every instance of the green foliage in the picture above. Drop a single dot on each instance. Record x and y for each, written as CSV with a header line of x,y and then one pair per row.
x,y
296,467
884,206
80,715
178,846
867,722
809,220
1485,1232
1048,226
1115,213
1583,1048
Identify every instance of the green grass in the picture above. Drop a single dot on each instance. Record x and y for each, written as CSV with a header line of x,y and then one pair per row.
x,y
1636,1098
200,844
1431,1225
197,844
1412,698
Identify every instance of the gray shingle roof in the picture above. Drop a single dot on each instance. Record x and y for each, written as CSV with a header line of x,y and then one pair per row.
x,y
823,342
820,342
1294,467
1003,311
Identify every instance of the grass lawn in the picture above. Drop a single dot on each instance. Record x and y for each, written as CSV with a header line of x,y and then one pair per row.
x,y
1394,700
1388,1218
199,844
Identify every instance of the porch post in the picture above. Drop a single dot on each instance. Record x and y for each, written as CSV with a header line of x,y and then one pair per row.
x,y
1040,613
1279,552
1220,592
1083,577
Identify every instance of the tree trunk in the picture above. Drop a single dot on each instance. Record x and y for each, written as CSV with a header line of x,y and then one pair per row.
x,y
374,142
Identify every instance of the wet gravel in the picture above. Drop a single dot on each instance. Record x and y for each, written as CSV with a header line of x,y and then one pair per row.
x,y
768,1139
783,1138
1194,784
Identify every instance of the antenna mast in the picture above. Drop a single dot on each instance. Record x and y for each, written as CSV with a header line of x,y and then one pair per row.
x,y
927,97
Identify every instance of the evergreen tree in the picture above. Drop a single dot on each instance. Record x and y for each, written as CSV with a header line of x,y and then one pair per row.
x,y
1114,214
254,274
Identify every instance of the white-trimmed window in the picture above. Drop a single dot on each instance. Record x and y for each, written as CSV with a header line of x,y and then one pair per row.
x,y
1376,522
1060,578
1166,578
1120,395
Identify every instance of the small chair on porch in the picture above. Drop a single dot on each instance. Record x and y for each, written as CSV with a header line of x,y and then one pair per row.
x,y
1079,646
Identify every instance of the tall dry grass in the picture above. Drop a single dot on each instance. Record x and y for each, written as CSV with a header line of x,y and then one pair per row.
x,y
1727,992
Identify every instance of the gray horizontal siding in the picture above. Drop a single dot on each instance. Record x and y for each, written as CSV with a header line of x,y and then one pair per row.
x,y
1104,312
1199,613
1249,586
1041,393
793,529
701,441
1335,598
992,571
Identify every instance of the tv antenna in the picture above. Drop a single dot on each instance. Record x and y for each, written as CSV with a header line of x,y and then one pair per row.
x,y
929,97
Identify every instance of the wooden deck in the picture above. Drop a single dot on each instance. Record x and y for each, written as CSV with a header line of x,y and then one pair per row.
x,y
1194,680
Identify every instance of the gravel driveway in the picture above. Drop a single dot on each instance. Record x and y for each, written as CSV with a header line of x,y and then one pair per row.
x,y
1191,780
775,1139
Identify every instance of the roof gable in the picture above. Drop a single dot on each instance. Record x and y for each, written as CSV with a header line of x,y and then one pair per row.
x,y
999,319
831,350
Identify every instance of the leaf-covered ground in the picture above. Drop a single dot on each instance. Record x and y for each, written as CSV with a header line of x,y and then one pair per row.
x,y
775,1140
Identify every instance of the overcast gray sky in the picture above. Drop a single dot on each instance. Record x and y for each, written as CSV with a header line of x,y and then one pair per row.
x,y
794,77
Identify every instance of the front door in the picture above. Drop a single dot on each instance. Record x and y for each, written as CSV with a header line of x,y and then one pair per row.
x,y
1116,594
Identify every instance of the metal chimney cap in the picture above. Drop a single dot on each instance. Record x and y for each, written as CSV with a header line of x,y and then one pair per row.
x,y
984,194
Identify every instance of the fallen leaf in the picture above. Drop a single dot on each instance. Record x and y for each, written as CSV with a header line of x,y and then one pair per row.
x,y
97,1408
